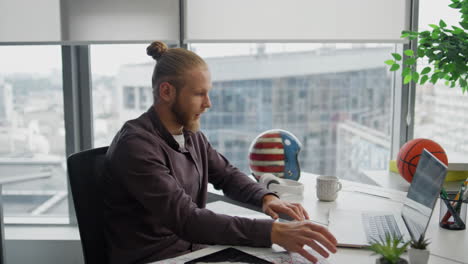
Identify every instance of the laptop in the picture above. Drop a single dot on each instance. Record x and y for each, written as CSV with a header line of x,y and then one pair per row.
x,y
354,228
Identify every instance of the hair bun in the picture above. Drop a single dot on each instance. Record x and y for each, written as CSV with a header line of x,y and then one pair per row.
x,y
156,49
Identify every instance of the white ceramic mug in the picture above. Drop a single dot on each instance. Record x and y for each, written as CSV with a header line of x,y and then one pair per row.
x,y
328,188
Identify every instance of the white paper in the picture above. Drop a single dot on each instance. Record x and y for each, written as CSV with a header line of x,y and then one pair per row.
x,y
392,195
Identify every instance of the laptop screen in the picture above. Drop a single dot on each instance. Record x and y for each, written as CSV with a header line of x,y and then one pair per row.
x,y
422,194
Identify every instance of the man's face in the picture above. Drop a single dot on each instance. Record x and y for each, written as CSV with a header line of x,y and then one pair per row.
x,y
192,99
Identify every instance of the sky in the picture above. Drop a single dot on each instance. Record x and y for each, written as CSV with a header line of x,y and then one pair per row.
x,y
106,59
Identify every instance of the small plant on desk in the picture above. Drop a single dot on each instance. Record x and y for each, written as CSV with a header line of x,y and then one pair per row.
x,y
418,252
390,249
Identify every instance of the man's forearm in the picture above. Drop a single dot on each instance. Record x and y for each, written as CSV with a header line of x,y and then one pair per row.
x,y
246,191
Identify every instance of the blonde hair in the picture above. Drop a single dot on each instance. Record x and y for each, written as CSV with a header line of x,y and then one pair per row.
x,y
171,65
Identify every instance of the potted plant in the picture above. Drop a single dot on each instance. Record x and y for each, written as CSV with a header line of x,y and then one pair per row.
x,y
418,253
390,249
445,48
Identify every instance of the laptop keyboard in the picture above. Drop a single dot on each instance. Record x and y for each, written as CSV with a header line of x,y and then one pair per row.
x,y
417,229
378,226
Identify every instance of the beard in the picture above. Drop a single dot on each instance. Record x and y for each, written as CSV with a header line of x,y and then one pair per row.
x,y
184,118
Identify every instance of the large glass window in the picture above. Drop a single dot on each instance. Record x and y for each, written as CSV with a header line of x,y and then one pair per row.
x,y
121,87
440,112
32,134
336,98
129,97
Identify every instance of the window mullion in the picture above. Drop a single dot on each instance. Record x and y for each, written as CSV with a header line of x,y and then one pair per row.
x,y
77,105
404,94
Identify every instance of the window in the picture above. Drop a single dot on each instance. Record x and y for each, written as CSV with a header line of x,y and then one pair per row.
x,y
32,134
440,111
336,98
145,95
129,97
121,87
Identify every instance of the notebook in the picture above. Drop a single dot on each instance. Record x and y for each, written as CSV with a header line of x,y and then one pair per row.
x,y
354,228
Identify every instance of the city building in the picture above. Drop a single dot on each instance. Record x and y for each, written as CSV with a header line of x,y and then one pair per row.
x,y
6,102
309,93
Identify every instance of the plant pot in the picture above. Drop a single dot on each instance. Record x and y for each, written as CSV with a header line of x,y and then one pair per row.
x,y
418,256
384,261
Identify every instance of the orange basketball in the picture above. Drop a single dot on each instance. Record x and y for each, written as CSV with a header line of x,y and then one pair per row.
x,y
409,155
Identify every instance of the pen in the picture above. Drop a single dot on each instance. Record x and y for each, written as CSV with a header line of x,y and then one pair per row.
x,y
465,194
461,193
460,199
443,193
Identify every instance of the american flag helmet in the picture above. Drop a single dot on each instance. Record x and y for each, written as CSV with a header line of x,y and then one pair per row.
x,y
275,151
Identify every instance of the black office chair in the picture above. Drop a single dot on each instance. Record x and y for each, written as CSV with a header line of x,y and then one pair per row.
x,y
85,170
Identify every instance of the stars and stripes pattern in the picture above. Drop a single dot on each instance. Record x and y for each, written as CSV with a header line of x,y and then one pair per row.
x,y
267,155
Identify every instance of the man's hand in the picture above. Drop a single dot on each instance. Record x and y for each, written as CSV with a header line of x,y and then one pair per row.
x,y
272,206
293,236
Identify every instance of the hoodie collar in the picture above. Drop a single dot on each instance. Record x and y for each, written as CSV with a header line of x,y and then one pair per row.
x,y
165,134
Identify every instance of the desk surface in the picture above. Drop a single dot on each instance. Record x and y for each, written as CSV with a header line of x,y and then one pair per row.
x,y
447,246
392,180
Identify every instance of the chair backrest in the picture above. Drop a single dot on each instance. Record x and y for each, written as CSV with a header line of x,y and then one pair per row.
x,y
85,171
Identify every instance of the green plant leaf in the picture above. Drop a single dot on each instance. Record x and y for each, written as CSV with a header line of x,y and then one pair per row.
x,y
421,53
443,47
407,78
426,70
424,79
425,34
464,24
442,24
406,71
404,35
396,56
434,78
410,61
463,83
395,67
388,247
415,77
450,67
457,30
409,52
421,243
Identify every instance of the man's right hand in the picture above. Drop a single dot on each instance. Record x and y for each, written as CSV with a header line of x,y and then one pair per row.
x,y
293,236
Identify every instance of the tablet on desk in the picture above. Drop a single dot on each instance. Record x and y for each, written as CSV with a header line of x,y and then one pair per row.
x,y
229,255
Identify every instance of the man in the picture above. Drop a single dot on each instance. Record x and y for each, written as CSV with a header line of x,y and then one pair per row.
x,y
159,166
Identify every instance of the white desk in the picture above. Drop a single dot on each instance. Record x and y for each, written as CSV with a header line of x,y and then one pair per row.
x,y
392,180
388,179
447,246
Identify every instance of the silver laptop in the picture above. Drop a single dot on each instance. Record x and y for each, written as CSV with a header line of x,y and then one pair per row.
x,y
358,228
